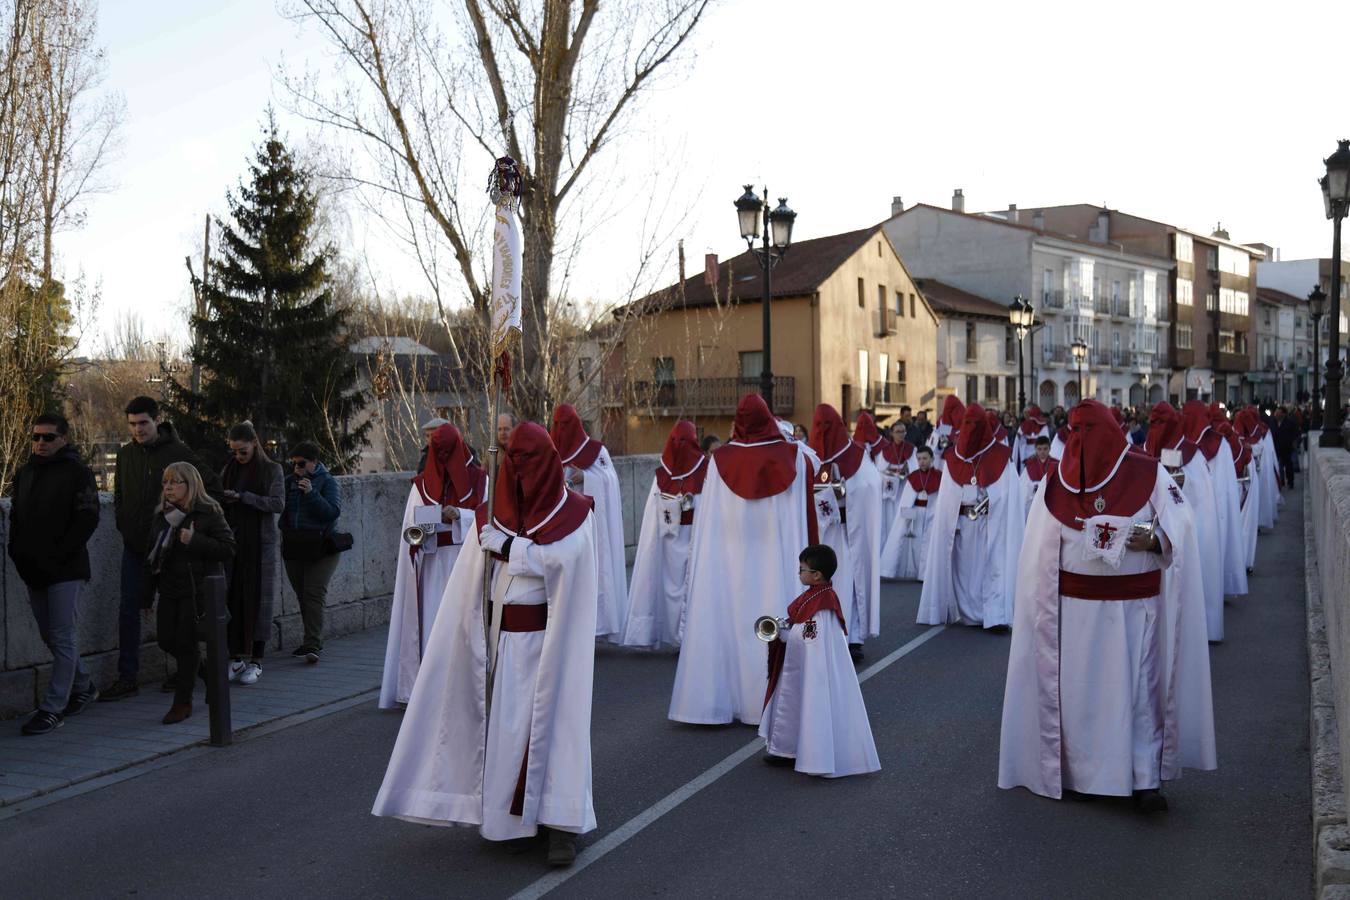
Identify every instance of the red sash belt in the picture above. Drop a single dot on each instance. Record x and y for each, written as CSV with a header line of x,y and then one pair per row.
x,y
920,502
687,517
445,539
524,617
1110,587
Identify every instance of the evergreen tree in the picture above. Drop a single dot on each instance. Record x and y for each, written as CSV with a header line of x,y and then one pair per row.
x,y
273,347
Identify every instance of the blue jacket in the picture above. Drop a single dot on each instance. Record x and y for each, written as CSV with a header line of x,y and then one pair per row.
x,y
316,511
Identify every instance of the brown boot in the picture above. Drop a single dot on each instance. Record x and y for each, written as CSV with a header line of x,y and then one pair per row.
x,y
177,713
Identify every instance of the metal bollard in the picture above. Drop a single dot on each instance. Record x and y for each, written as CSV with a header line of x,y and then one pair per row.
x,y
217,658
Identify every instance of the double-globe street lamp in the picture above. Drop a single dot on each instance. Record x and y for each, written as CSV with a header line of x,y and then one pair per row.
x,y
1316,309
776,236
1336,199
1079,349
1022,315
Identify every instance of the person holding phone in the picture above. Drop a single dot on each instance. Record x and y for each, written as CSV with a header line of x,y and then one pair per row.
x,y
313,505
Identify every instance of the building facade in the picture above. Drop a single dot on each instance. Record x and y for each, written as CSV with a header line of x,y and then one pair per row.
x,y
976,347
1293,280
850,328
1114,301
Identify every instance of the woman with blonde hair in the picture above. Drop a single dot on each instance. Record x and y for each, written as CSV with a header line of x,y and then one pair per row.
x,y
191,541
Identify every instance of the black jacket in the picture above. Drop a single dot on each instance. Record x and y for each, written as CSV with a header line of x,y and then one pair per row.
x,y
184,566
136,493
53,514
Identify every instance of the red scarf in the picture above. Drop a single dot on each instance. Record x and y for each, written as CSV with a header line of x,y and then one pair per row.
x,y
1036,468
765,470
683,465
830,440
928,482
576,448
530,497
811,602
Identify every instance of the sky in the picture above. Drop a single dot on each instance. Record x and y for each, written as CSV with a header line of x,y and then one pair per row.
x,y
1189,113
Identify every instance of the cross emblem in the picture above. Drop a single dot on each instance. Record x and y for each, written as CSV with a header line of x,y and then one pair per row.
x,y
666,513
824,508
1105,531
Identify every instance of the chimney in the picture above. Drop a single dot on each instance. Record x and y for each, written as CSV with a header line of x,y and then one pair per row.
x,y
1038,220
710,269
1103,225
1219,232
958,201
897,206
680,246
1012,213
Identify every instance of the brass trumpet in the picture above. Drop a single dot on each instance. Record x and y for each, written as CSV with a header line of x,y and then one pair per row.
x,y
979,509
415,535
767,628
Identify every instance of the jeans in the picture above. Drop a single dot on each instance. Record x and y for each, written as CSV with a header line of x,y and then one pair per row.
x,y
309,580
56,608
135,582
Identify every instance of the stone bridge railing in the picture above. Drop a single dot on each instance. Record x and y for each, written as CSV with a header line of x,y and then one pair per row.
x,y
358,596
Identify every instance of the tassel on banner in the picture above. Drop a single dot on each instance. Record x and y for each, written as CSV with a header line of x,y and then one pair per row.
x,y
502,371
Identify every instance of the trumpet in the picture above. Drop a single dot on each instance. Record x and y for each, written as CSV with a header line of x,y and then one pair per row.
x,y
767,628
416,535
979,509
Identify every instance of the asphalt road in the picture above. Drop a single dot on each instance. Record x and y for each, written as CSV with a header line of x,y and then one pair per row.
x,y
288,814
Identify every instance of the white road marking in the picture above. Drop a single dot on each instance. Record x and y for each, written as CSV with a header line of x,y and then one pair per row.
x,y
633,826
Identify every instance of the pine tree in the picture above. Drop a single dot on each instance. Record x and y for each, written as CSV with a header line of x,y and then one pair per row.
x,y
273,347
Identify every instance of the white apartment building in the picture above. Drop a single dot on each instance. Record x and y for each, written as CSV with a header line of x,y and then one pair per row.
x,y
1113,301
977,348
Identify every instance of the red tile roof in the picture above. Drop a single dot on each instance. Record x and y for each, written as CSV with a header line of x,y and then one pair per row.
x,y
947,300
1280,298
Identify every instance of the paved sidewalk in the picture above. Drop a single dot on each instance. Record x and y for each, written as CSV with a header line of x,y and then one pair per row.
x,y
109,737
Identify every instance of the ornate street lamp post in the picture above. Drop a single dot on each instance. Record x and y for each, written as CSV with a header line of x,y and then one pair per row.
x,y
1079,349
1336,199
776,236
1022,315
1316,309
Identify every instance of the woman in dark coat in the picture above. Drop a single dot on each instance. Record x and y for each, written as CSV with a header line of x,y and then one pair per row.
x,y
191,541
254,497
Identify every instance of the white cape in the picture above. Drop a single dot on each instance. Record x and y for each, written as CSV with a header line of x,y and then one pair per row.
x,y
1106,648
660,585
1224,477
742,565
541,700
418,587
816,713
971,569
1199,493
1264,453
904,554
1253,507
863,498
601,483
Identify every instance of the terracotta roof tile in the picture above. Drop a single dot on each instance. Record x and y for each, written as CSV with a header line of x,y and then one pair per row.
x,y
1270,295
947,300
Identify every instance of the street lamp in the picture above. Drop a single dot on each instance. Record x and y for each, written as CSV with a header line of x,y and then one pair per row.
x,y
1336,200
1079,349
775,237
1316,309
1022,315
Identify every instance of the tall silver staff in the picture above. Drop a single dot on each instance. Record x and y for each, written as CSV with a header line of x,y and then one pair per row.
x,y
504,310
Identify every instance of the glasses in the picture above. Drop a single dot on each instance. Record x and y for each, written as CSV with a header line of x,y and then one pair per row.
x,y
44,437
299,463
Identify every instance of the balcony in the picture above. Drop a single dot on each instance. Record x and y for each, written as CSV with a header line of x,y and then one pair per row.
x,y
1142,360
1052,300
1099,358
707,396
1120,308
1055,354
1270,363
1100,305
883,322
886,395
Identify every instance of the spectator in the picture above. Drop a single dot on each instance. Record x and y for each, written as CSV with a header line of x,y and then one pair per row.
x,y
254,495
505,422
918,431
190,542
799,433
52,516
1284,432
313,504
710,443
1140,433
136,498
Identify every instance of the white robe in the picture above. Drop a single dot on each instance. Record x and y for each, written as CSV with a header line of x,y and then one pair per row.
x,y
420,583
906,549
660,585
816,713
1252,510
601,483
892,485
971,569
1204,505
1107,697
1264,454
442,771
1056,447
857,546
935,442
1224,477
1029,490
742,565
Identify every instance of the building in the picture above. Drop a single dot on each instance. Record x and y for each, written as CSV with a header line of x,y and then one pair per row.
x,y
1294,279
1114,300
976,347
1210,284
850,328
1279,370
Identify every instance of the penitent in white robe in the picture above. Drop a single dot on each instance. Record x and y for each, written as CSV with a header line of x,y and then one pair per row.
x,y
1024,448
444,770
892,485
419,582
1107,696
906,548
1264,454
660,585
601,483
816,713
1223,475
857,548
742,565
971,569
938,441
1251,511
1029,490
1204,505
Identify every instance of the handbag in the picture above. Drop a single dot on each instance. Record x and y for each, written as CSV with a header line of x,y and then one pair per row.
x,y
303,545
337,542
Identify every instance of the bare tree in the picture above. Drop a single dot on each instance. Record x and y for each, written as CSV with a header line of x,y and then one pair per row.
x,y
551,83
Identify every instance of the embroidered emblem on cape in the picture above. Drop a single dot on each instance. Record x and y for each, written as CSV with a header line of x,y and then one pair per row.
x,y
1175,493
1105,531
825,508
666,513
809,630
1099,504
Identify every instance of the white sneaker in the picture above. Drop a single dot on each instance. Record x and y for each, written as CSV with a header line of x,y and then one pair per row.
x,y
252,672
237,667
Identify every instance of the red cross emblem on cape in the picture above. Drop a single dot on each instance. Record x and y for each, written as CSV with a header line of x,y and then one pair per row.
x,y
1104,532
824,507
810,630
1175,493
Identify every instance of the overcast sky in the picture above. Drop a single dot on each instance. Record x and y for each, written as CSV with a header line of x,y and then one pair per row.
x,y
1192,113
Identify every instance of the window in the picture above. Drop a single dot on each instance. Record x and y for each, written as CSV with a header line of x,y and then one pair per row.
x,y
900,304
1185,248
1265,315
1115,345
1047,285
1240,303
991,387
752,364
972,346
1234,261
663,370
1212,258
1185,293
900,371
1212,301
883,366
911,306
1183,337
1009,344
862,295
972,389
584,369
863,370
881,299
1115,290
1009,391
1227,342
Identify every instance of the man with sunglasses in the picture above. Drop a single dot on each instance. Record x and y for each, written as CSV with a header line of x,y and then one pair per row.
x,y
53,514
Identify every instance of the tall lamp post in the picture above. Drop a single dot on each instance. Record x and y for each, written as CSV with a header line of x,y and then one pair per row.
x,y
1079,349
1316,309
775,235
1022,315
1336,199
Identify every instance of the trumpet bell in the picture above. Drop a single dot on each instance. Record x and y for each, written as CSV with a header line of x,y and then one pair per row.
x,y
767,628
415,535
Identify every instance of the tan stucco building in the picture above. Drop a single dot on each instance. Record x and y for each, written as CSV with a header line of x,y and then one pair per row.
x,y
850,328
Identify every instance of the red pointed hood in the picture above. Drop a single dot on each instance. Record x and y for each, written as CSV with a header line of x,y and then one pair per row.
x,y
977,431
448,477
865,431
757,462
575,447
1094,448
683,465
1033,420
976,454
953,411
829,438
754,423
1195,419
1165,429
530,497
